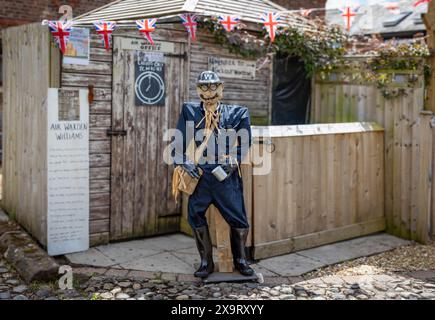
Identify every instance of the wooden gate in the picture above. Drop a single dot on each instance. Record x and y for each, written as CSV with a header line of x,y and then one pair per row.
x,y
141,201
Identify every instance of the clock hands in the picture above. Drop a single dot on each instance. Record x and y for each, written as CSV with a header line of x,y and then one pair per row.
x,y
149,84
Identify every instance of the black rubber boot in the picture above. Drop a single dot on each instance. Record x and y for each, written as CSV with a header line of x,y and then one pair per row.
x,y
238,247
203,243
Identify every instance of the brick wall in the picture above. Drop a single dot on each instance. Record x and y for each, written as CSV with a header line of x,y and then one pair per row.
x,y
15,12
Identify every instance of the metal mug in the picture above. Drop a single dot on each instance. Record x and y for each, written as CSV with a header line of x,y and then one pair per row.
x,y
220,173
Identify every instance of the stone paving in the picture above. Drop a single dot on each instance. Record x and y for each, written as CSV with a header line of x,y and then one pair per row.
x,y
161,268
116,284
177,254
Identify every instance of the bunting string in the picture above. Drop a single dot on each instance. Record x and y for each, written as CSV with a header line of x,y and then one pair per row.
x,y
61,30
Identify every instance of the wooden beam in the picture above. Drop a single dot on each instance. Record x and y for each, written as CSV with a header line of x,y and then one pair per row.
x,y
223,244
275,248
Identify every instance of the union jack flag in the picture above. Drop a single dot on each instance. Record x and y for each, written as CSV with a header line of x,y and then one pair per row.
x,y
270,22
349,14
306,12
229,22
146,26
105,30
393,7
189,21
419,2
61,31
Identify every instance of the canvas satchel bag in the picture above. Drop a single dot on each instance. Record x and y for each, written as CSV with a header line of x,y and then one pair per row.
x,y
181,180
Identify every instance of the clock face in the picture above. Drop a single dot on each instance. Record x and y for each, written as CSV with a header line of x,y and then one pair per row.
x,y
150,88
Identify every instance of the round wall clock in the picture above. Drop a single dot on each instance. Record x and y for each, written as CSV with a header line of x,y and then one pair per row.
x,y
150,88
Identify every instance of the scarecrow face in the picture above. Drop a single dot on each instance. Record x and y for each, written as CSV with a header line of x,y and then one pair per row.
x,y
210,94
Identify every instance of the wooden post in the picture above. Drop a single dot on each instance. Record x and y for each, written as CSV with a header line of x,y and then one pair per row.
x,y
223,244
429,21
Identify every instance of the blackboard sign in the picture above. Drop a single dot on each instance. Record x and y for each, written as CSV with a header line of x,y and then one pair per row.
x,y
150,89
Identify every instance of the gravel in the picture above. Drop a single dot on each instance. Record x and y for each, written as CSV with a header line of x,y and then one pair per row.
x,y
373,278
414,257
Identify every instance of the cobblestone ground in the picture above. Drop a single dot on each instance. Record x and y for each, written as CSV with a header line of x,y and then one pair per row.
x,y
364,283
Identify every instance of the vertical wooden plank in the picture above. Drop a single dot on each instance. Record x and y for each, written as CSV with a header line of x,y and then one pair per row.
x,y
306,186
389,126
432,231
141,183
223,244
298,169
425,176
118,96
328,187
406,170
287,209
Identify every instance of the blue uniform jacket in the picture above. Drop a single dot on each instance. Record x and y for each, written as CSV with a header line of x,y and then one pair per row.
x,y
233,117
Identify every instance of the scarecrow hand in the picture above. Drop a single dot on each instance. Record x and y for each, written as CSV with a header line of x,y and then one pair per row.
x,y
191,170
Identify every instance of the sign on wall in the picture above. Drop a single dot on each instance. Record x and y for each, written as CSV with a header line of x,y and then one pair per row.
x,y
78,47
67,171
144,45
233,68
150,88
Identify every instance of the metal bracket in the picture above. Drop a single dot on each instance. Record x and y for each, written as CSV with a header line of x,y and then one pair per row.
x,y
116,133
270,146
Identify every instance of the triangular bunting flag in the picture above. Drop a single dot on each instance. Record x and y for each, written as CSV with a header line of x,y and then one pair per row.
x,y
61,31
189,22
145,27
393,7
270,22
306,12
105,30
349,14
229,22
419,2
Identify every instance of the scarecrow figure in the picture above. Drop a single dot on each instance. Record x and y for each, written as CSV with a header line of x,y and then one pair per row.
x,y
219,175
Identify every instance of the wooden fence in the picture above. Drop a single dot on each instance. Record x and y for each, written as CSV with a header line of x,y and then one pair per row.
x,y
408,145
325,185
24,124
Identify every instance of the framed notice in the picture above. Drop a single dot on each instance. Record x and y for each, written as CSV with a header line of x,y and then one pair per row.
x,y
150,88
233,68
67,171
78,47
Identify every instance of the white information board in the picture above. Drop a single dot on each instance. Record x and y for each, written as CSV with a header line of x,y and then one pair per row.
x,y
233,68
67,171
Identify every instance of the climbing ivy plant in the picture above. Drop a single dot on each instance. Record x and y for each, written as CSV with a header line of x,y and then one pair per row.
x,y
325,49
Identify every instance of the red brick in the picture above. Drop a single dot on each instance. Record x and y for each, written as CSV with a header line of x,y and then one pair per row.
x,y
15,12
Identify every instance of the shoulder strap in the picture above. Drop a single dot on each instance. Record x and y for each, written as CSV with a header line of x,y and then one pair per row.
x,y
199,152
